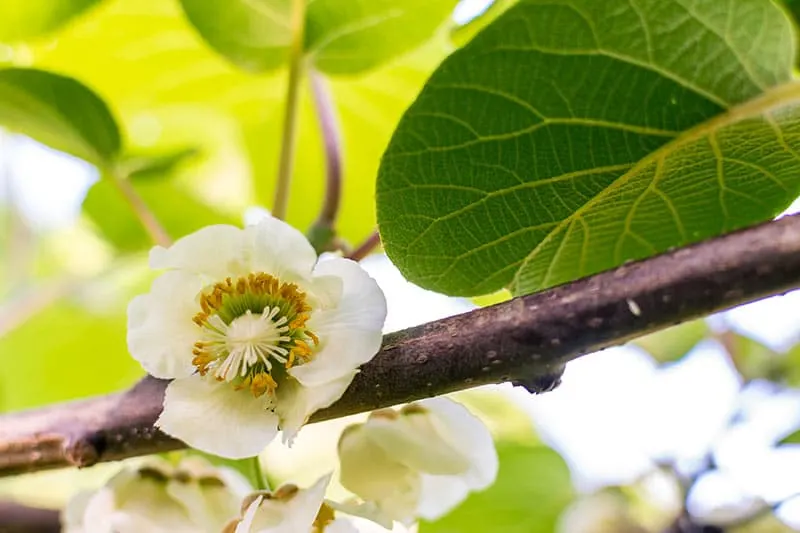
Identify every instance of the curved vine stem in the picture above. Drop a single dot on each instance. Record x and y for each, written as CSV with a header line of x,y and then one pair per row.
x,y
366,247
332,139
289,135
147,218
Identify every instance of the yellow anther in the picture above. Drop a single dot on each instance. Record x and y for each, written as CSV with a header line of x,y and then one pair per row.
x,y
324,517
261,384
313,337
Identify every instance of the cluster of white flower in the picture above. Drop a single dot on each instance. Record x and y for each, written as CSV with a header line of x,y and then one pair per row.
x,y
257,334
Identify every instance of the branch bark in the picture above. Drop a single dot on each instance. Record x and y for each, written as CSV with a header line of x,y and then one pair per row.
x,y
518,341
16,518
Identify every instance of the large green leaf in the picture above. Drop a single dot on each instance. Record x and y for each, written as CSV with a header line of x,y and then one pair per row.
x,y
349,36
341,36
572,135
24,19
532,488
59,112
253,34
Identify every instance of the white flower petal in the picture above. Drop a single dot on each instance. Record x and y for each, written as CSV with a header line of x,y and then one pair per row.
x,y
297,403
73,513
279,249
214,251
440,495
324,292
374,476
245,525
217,419
294,514
350,333
161,334
209,506
362,303
341,525
129,504
413,440
470,435
366,510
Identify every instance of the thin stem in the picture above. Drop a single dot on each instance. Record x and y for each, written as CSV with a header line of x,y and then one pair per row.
x,y
332,140
364,249
148,220
257,474
289,134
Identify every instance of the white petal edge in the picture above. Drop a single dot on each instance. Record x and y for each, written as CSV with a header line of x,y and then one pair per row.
x,y
245,525
215,251
470,435
350,333
215,418
440,495
341,525
296,403
161,334
295,515
279,249
303,508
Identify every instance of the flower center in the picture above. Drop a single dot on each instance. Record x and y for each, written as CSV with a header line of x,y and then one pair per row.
x,y
252,330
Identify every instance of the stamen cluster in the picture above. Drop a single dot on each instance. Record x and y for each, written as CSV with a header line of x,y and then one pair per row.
x,y
247,325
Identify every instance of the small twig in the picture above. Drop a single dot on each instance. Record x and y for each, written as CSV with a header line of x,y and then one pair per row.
x,y
16,518
364,249
332,139
512,341
289,135
148,220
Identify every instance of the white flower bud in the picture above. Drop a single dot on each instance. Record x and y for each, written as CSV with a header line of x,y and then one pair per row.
x,y
420,461
159,498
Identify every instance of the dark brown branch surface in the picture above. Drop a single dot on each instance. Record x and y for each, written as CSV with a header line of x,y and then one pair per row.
x,y
513,341
15,518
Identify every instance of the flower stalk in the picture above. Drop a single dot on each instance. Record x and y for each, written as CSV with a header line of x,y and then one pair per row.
x,y
324,228
366,247
280,204
146,217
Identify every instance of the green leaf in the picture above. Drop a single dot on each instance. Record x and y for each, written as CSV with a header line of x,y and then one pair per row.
x,y
671,344
792,438
341,36
532,488
570,136
59,112
24,19
752,359
178,211
155,166
350,36
253,34
789,367
75,347
793,6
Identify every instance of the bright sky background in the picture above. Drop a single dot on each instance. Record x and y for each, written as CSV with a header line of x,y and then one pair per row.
x,y
615,411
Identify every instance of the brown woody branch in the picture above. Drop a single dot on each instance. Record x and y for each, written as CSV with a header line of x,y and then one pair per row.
x,y
518,341
16,518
